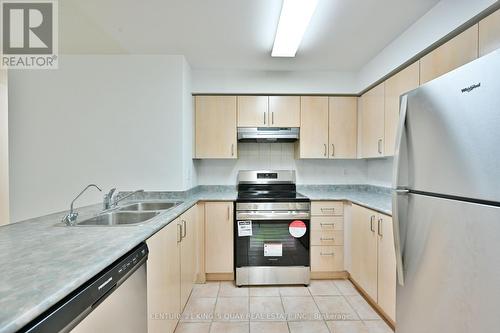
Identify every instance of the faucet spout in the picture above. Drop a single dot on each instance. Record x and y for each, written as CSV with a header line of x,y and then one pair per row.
x,y
72,215
115,202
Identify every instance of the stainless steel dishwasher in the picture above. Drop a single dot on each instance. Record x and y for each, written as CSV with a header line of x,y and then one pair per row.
x,y
113,301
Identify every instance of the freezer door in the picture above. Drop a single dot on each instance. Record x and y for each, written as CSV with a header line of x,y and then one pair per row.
x,y
451,136
452,274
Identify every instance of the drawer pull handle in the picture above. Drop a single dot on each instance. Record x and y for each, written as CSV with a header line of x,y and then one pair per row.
x,y
327,239
326,208
332,224
327,254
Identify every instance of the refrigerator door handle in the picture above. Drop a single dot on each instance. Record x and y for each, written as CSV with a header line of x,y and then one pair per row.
x,y
400,146
398,190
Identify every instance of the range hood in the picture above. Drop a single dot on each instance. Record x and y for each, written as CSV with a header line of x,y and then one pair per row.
x,y
268,134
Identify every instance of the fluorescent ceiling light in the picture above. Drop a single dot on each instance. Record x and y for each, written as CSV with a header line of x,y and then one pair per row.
x,y
294,19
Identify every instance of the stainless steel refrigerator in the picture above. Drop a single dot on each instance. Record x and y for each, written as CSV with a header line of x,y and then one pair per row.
x,y
446,203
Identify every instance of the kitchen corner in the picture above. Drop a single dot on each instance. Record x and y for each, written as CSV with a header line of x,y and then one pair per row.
x,y
44,260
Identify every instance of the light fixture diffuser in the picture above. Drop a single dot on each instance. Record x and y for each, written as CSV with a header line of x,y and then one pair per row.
x,y
294,19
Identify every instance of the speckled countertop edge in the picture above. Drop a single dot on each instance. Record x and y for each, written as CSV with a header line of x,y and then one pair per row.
x,y
43,261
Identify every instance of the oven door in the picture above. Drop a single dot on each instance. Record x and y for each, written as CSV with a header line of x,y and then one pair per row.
x,y
268,241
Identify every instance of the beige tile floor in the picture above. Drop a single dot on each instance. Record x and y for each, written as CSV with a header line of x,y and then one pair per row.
x,y
326,306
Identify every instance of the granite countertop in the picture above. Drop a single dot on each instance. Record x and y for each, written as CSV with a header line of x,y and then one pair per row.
x,y
373,197
43,261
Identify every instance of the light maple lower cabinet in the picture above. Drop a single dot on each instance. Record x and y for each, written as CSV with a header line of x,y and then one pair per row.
x,y
327,239
163,267
188,253
219,237
171,271
456,52
364,249
372,122
373,258
215,127
386,266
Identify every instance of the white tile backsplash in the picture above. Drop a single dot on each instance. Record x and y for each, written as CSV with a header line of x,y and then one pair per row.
x,y
276,156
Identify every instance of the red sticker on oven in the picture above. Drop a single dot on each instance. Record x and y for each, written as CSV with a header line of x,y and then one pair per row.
x,y
297,229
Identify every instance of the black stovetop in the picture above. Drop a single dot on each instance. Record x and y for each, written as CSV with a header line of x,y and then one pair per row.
x,y
269,193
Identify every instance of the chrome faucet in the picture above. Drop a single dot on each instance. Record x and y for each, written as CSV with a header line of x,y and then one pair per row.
x,y
72,215
108,198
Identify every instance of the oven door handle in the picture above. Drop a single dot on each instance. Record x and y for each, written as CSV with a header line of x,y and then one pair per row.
x,y
273,215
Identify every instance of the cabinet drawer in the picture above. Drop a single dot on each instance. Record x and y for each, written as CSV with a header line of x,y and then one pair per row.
x,y
327,223
327,237
327,208
327,258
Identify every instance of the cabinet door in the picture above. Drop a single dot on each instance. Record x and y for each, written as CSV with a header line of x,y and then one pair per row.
x,y
386,267
397,85
453,54
216,127
364,249
188,253
489,33
372,122
284,111
219,237
313,127
253,111
163,277
343,121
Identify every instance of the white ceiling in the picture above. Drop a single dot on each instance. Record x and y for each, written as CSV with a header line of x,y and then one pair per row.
x,y
235,34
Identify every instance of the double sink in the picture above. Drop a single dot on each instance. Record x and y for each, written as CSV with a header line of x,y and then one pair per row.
x,y
131,214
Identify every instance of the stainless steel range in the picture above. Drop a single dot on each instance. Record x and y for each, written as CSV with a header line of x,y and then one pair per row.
x,y
271,229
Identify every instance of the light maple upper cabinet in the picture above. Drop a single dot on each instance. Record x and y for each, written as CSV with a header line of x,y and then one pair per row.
x,y
343,127
188,253
4,150
253,111
313,141
284,111
395,86
364,249
216,127
163,276
386,266
489,33
372,122
453,54
219,238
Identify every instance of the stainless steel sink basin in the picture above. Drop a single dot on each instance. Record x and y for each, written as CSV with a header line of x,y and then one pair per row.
x,y
118,218
148,206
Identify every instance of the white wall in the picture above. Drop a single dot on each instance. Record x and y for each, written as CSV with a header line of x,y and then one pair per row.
x,y
109,120
265,82
279,156
442,19
379,171
4,149
188,125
